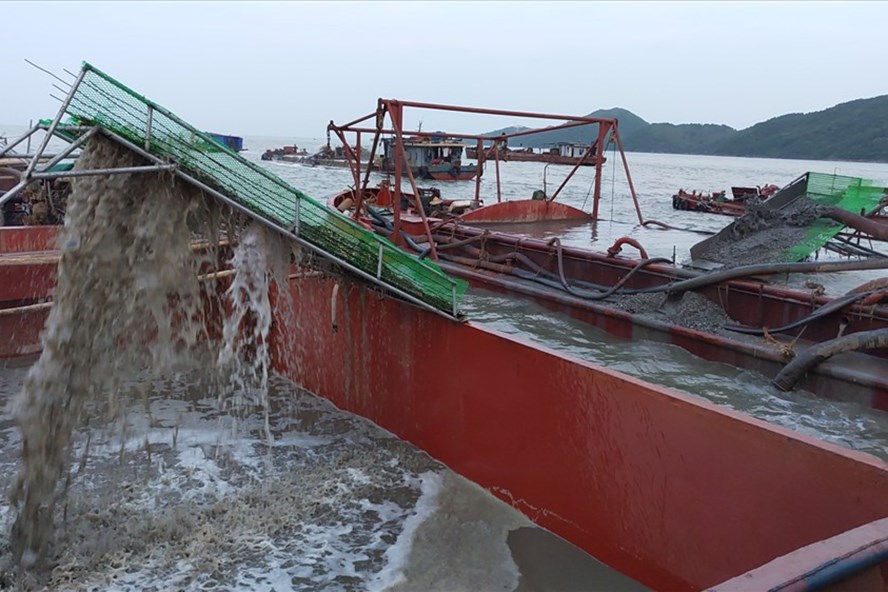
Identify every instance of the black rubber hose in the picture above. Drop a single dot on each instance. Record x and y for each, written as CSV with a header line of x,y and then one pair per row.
x,y
832,306
793,372
586,294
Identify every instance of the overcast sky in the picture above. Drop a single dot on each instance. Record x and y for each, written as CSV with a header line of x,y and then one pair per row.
x,y
287,68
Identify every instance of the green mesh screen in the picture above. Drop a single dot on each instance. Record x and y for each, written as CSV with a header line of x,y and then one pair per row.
x,y
103,101
849,193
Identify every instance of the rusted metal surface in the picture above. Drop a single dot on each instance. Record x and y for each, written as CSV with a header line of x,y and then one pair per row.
x,y
674,492
23,239
27,277
525,210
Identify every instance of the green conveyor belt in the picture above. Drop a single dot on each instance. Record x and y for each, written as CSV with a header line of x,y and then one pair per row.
x,y
100,100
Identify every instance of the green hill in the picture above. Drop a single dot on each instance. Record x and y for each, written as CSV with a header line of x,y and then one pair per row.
x,y
856,130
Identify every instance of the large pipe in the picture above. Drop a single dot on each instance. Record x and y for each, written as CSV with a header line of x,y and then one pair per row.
x,y
855,221
793,372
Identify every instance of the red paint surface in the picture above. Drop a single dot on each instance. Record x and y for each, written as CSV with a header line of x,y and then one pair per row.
x,y
20,333
27,278
675,492
784,573
525,210
22,239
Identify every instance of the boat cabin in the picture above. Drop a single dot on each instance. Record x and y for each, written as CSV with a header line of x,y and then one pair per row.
x,y
569,149
423,152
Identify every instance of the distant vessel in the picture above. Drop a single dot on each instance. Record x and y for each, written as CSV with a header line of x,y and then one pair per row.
x,y
236,143
718,203
437,158
570,153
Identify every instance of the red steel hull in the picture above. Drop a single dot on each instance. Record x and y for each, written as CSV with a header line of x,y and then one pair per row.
x,y
677,493
449,177
524,210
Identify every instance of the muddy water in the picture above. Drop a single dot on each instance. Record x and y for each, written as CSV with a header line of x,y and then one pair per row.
x,y
187,498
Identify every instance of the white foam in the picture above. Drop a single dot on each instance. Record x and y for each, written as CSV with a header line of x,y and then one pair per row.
x,y
398,554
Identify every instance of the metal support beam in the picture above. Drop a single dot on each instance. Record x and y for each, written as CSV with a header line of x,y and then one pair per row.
x,y
12,192
6,149
55,122
71,148
154,168
148,128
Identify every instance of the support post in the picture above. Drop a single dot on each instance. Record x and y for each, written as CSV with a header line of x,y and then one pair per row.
x,y
574,170
54,125
71,148
8,148
628,176
496,156
148,128
601,142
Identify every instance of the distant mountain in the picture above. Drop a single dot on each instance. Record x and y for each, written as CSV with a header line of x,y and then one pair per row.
x,y
857,130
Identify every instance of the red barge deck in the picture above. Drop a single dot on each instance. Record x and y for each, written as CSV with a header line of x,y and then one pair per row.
x,y
675,492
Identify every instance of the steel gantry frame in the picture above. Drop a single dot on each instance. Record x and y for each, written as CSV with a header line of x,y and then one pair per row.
x,y
391,112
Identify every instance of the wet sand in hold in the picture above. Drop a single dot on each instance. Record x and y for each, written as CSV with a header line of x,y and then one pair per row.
x,y
186,498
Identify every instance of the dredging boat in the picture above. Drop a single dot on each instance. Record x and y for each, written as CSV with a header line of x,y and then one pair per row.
x,y
677,493
430,157
717,203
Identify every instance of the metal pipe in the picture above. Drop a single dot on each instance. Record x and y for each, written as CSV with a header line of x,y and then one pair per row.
x,y
55,122
418,200
861,223
5,312
546,129
13,192
459,136
399,140
370,160
71,148
499,193
478,176
32,155
148,128
154,168
21,139
573,171
628,176
484,111
602,144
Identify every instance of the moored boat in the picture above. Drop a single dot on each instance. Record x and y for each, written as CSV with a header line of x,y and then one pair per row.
x,y
566,153
436,158
717,202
